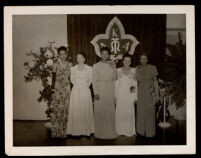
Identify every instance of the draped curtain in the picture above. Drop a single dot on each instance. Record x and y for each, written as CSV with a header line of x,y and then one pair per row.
x,y
149,29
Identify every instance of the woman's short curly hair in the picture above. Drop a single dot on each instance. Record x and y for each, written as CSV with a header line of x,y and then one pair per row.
x,y
105,49
62,48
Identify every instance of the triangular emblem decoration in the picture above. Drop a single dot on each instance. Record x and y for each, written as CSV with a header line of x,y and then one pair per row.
x,y
116,39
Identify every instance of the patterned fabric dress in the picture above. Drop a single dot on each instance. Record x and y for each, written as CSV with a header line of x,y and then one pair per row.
x,y
60,101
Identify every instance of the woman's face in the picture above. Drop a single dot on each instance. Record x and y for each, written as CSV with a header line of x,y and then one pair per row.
x,y
63,55
80,59
127,62
105,55
143,59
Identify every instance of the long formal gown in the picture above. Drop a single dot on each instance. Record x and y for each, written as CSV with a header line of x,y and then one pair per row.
x,y
60,100
125,111
146,76
104,108
81,120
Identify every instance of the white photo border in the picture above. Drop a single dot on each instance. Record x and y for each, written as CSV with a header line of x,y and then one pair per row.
x,y
189,148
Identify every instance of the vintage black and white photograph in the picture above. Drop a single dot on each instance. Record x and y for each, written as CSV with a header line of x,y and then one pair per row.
x,y
109,77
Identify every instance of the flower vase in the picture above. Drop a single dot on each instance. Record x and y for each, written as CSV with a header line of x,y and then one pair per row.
x,y
181,113
48,124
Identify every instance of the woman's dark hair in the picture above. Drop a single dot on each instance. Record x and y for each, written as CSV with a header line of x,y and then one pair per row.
x,y
105,49
82,53
127,56
144,54
62,48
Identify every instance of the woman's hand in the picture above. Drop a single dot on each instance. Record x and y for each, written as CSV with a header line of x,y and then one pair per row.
x,y
53,90
52,108
132,89
96,97
157,99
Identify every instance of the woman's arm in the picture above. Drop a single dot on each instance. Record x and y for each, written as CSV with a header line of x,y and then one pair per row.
x,y
115,75
115,71
117,82
95,82
72,75
90,76
156,87
54,75
95,79
70,64
134,74
134,81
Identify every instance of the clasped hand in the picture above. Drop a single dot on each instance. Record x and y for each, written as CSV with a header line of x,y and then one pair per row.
x,y
96,97
132,89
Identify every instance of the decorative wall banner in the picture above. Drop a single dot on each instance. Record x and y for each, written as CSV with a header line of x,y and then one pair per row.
x,y
115,39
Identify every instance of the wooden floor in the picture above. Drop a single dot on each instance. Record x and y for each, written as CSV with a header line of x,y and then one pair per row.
x,y
33,133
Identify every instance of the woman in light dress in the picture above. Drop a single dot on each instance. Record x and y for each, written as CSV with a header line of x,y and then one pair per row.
x,y
104,94
81,120
126,95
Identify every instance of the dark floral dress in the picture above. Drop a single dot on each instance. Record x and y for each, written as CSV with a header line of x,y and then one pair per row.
x,y
60,101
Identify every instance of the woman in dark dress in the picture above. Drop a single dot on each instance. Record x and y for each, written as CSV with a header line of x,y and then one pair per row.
x,y
61,97
148,95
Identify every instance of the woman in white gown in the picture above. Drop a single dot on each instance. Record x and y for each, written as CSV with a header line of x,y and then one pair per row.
x,y
126,95
81,120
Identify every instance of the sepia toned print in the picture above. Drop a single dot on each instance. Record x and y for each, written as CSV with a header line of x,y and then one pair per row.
x,y
105,81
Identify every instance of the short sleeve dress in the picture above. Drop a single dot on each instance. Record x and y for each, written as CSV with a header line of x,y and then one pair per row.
x,y
146,76
81,120
60,100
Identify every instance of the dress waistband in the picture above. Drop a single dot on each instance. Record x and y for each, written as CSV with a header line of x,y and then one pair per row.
x,y
146,83
105,81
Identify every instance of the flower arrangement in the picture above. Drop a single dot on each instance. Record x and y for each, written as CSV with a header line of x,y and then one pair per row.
x,y
175,69
39,68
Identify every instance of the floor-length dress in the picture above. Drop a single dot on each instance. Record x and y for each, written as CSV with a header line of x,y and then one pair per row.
x,y
146,75
60,100
104,108
125,110
81,120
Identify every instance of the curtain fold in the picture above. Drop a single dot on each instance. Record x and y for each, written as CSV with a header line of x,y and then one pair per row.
x,y
149,29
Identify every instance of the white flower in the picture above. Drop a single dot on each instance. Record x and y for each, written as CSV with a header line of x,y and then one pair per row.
x,y
41,67
49,80
55,52
120,56
111,57
49,62
162,92
31,64
37,59
168,53
31,58
160,81
48,54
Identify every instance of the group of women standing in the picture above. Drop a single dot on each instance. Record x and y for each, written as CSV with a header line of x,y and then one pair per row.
x,y
115,92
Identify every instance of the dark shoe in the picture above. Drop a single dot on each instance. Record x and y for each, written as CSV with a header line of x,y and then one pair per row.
x,y
140,135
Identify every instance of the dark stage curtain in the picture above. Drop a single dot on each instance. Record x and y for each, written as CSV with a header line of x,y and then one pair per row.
x,y
149,29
